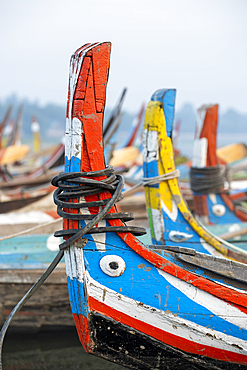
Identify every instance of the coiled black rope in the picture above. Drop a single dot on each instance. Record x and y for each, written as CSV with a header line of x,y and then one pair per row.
x,y
75,185
207,180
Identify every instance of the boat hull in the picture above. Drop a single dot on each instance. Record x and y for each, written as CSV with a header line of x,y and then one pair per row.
x,y
131,348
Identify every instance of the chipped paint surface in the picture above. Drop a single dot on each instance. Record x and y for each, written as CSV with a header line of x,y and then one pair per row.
x,y
146,295
166,320
165,198
200,153
205,156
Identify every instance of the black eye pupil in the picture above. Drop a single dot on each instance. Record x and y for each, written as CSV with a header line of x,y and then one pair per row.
x,y
113,265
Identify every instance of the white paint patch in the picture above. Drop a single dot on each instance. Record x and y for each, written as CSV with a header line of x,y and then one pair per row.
x,y
73,139
171,214
74,263
178,236
164,320
158,224
201,113
217,306
68,263
52,243
200,153
112,265
150,146
212,197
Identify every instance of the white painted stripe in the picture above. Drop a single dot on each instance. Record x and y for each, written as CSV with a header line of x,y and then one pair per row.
x,y
158,224
74,71
171,214
200,153
74,263
150,146
215,305
212,197
164,320
201,112
67,263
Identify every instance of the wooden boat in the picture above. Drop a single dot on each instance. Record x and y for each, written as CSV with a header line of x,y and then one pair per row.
x,y
135,127
212,201
52,158
13,153
21,196
4,123
14,134
114,120
22,260
143,307
170,219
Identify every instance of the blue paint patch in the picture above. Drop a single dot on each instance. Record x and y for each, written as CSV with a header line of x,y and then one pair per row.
x,y
228,218
78,298
142,282
26,252
151,169
167,98
181,225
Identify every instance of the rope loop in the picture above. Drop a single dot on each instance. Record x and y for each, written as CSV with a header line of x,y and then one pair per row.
x,y
146,181
208,179
77,185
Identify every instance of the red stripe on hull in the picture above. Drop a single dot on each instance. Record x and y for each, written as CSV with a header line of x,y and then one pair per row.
x,y
81,324
165,337
219,291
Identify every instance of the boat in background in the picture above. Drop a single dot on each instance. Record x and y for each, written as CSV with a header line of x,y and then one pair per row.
x,y
143,307
169,217
23,259
213,204
128,158
112,125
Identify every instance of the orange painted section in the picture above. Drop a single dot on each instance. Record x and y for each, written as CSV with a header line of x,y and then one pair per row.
x,y
229,203
209,131
200,205
82,328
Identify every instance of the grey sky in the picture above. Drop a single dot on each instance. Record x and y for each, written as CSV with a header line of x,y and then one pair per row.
x,y
196,46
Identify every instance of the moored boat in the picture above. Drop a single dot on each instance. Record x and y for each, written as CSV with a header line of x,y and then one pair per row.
x,y
156,307
27,247
212,201
170,220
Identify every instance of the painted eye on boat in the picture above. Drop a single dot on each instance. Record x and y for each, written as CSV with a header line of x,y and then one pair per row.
x,y
112,265
218,209
178,237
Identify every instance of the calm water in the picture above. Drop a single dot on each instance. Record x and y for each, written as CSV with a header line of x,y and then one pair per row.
x,y
50,350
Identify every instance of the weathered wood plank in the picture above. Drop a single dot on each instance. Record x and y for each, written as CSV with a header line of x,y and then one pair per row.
x,y
49,306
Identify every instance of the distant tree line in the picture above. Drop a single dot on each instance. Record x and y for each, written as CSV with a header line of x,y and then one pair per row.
x,y
51,118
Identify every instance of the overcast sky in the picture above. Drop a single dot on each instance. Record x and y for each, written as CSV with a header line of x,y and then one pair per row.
x,y
196,46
